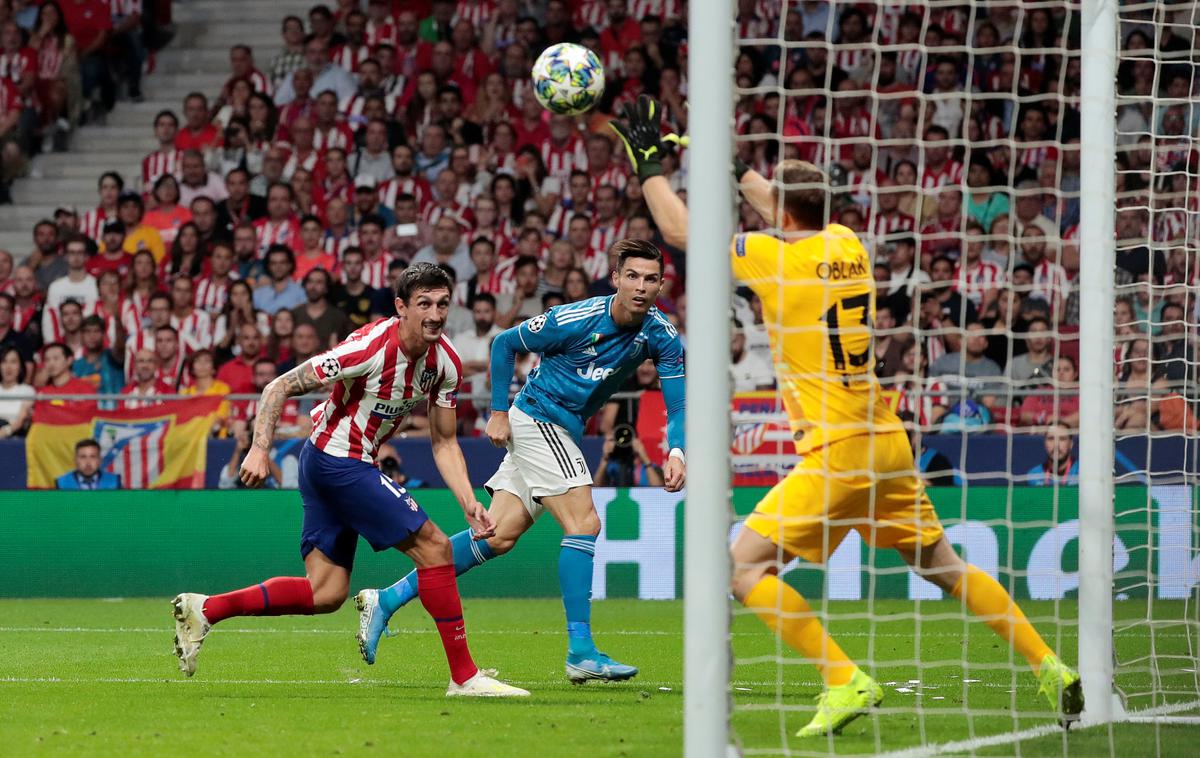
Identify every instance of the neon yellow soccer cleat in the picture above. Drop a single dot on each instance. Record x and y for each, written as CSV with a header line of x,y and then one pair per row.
x,y
1062,687
838,706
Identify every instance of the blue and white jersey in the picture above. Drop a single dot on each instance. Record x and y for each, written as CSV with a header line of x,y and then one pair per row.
x,y
586,357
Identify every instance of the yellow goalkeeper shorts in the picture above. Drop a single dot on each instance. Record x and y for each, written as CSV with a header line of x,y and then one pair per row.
x,y
868,483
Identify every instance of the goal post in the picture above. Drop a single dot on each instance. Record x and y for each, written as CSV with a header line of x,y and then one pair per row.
x,y
706,524
1098,56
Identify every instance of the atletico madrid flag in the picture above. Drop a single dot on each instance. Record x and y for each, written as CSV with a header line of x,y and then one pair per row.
x,y
163,446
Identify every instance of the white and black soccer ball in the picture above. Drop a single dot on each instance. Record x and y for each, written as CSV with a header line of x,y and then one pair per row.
x,y
568,79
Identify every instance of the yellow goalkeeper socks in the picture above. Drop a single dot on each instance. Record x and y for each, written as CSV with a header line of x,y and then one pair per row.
x,y
789,615
985,597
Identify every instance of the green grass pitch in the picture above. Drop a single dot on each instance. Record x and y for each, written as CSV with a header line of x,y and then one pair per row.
x,y
97,677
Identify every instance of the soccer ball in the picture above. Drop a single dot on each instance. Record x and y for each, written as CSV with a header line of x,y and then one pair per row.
x,y
568,79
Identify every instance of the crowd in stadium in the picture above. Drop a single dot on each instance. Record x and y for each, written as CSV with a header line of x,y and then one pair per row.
x,y
274,213
63,64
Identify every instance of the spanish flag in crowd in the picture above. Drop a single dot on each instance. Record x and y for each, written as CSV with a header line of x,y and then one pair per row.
x,y
163,446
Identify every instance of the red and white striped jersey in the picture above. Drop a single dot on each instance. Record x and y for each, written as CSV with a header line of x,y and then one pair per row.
x,y
434,212
286,232
350,58
592,13
604,235
561,160
338,135
127,315
950,173
613,176
157,164
195,330
666,10
891,223
417,186
559,222
125,7
297,161
23,316
377,386
1032,157
336,246
478,12
909,65
260,82
972,281
1169,225
852,60
92,223
212,294
141,339
921,402
500,280
595,264
375,271
377,34
352,107
1051,283
14,65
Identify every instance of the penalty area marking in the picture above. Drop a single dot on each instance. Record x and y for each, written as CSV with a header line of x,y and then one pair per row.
x,y
1160,714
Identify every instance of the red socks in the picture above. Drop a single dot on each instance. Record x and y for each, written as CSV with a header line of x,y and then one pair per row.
x,y
438,590
281,596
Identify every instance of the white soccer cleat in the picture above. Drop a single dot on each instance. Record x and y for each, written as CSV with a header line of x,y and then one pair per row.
x,y
484,684
191,627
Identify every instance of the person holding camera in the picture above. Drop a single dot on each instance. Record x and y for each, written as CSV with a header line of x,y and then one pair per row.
x,y
230,478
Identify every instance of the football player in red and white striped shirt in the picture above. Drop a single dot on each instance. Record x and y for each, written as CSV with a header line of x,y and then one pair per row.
x,y
377,376
166,159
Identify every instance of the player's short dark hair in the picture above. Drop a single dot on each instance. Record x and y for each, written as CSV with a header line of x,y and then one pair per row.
x,y
422,276
87,442
805,192
626,249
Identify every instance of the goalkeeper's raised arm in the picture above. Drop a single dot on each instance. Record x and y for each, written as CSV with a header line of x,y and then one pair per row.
x,y
641,132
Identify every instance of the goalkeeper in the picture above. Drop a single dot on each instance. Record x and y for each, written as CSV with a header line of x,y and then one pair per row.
x,y
856,466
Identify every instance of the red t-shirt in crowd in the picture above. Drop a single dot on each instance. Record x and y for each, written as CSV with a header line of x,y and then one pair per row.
x,y
238,374
86,19
208,137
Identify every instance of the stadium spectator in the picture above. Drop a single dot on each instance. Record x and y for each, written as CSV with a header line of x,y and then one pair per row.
x,y
168,214
98,364
147,382
291,56
88,474
198,132
47,258
54,378
76,284
1060,468
1055,399
281,291
1036,365
749,371
353,296
961,372
195,180
16,395
304,345
171,356
229,479
331,324
139,235
238,373
327,75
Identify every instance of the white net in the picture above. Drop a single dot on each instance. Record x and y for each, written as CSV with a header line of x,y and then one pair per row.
x,y
951,136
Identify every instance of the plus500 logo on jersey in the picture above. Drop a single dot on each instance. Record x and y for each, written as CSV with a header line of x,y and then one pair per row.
x,y
392,410
594,373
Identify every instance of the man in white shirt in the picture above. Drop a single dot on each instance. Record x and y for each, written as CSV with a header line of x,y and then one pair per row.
x,y
77,284
475,349
749,371
195,180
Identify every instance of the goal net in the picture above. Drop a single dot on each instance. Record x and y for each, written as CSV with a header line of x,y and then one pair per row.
x,y
955,142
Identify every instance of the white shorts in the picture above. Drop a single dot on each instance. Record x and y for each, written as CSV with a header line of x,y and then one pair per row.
x,y
542,461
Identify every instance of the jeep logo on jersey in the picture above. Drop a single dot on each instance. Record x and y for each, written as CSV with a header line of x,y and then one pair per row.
x,y
393,410
594,373
428,376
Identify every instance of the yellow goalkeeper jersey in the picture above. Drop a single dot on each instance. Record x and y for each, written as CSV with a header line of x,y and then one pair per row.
x,y
818,298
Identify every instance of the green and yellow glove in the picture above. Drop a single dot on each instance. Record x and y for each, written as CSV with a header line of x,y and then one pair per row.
x,y
642,135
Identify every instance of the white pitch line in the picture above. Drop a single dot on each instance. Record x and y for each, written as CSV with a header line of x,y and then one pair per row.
x,y
1149,715
614,632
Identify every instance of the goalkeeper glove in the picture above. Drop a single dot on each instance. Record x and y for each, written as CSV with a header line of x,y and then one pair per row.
x,y
642,135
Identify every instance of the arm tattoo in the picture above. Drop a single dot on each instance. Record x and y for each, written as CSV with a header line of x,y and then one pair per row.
x,y
299,381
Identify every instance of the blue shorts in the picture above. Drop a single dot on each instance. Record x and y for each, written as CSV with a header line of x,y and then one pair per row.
x,y
344,498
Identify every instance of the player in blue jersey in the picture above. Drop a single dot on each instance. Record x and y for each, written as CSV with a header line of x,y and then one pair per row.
x,y
588,350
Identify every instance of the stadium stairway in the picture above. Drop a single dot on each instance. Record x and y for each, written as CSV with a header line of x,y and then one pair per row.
x,y
196,60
